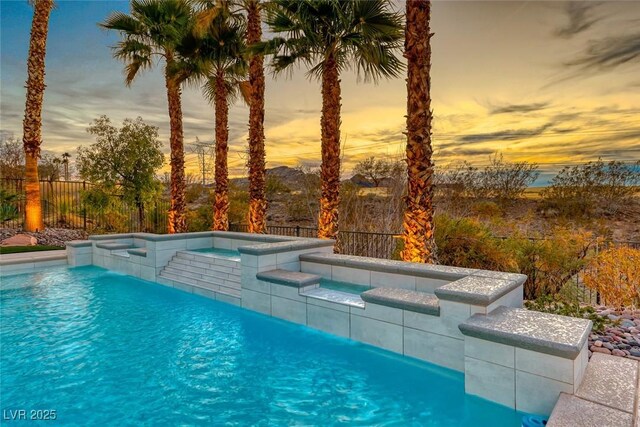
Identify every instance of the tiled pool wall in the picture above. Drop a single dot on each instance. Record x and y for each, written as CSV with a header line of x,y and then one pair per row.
x,y
463,319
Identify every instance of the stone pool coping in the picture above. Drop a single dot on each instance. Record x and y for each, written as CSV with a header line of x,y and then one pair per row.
x,y
29,261
532,330
31,257
608,395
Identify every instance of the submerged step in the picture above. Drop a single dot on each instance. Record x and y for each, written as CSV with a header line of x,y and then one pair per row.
x,y
337,297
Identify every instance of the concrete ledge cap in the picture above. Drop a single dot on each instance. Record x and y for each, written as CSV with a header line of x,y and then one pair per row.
x,y
532,330
571,411
112,246
289,278
32,257
138,251
110,236
78,243
404,299
476,290
433,271
274,248
176,236
253,237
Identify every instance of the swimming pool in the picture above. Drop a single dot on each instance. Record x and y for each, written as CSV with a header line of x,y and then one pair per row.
x,y
105,349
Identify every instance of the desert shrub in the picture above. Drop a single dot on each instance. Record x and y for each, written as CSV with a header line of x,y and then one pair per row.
x,y
556,305
9,205
194,192
200,218
615,274
501,180
466,242
486,209
274,185
239,204
593,188
507,181
551,262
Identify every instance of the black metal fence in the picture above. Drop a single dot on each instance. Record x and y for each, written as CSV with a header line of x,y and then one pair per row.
x,y
363,243
67,204
386,245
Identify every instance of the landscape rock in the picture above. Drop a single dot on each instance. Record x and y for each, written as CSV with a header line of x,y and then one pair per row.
x,y
48,237
19,240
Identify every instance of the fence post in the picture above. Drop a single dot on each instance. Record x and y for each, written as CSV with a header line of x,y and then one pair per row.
x,y
84,211
297,231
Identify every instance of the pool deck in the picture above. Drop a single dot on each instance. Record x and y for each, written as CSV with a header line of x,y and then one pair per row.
x,y
609,395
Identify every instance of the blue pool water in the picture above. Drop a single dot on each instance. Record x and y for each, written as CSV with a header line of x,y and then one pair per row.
x,y
106,349
226,253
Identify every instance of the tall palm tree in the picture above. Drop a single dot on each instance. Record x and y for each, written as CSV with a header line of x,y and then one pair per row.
x,y
156,28
32,124
218,47
418,234
257,172
65,162
330,36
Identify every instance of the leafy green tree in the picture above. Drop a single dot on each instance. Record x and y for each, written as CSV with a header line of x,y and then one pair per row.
x,y
330,36
125,159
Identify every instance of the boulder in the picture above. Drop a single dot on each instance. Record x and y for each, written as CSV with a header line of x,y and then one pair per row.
x,y
20,240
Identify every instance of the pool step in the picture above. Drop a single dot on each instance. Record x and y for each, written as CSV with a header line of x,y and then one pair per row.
x,y
204,271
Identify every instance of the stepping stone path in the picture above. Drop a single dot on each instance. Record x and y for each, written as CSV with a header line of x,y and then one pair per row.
x,y
622,338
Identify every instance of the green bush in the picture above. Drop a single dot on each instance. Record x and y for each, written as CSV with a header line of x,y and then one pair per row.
x,y
465,242
558,305
8,205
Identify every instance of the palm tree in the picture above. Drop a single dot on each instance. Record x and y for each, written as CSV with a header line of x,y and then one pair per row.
x,y
65,162
218,49
418,235
257,173
330,36
156,28
32,124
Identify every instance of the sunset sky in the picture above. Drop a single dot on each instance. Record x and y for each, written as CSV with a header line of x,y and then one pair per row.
x,y
550,82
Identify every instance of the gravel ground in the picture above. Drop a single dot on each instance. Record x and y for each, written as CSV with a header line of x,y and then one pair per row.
x,y
49,237
622,338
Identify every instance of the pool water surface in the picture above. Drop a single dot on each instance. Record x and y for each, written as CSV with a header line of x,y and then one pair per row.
x,y
102,348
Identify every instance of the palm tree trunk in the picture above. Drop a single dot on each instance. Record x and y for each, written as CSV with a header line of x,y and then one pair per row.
x,y
177,221
330,168
418,235
221,202
257,172
32,124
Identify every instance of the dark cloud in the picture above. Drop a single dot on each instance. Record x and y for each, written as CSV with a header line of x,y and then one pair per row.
x,y
520,108
580,18
504,135
608,53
